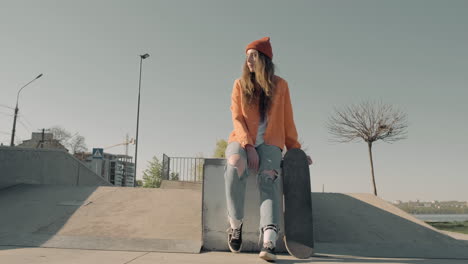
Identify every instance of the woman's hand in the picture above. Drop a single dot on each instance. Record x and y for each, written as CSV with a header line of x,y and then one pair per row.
x,y
252,157
309,160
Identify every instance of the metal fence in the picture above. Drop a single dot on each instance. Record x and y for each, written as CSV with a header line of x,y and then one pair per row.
x,y
183,169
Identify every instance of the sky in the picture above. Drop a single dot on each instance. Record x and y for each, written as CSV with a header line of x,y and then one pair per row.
x,y
410,54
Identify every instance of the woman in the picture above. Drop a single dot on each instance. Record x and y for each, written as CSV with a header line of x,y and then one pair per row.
x,y
263,125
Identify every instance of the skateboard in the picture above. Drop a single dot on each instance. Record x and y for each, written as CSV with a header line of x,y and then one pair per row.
x,y
298,228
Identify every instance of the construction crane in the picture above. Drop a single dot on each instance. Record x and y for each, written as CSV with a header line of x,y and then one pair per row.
x,y
126,143
125,160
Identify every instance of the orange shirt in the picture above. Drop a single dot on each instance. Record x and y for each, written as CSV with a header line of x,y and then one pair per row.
x,y
280,131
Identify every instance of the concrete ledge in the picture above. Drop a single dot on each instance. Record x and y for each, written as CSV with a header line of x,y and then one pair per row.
x,y
215,222
215,162
344,224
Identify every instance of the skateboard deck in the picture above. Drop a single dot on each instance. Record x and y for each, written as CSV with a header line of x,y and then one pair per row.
x,y
298,228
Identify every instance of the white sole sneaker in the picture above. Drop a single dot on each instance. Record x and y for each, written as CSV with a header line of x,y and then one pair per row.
x,y
267,256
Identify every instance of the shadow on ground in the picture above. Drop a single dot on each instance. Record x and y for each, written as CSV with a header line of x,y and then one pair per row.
x,y
33,214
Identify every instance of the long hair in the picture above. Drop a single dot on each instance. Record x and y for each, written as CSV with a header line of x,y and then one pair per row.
x,y
259,86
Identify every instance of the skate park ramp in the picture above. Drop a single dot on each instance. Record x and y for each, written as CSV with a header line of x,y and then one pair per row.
x,y
365,225
168,184
44,166
344,224
100,217
48,198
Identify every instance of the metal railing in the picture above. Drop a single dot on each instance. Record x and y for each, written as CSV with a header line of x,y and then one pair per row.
x,y
182,168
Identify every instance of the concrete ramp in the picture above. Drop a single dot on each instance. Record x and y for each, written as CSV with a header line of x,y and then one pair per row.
x,y
344,224
44,166
105,218
365,225
168,184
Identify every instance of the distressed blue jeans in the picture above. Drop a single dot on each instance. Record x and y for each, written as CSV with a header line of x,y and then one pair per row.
x,y
268,186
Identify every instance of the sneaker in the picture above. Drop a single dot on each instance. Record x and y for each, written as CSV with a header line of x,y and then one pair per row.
x,y
235,239
268,252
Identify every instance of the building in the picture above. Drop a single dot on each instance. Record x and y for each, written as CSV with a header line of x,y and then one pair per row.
x,y
42,140
117,169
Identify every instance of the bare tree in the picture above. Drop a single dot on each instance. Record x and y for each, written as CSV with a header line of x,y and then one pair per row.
x,y
60,134
370,122
77,144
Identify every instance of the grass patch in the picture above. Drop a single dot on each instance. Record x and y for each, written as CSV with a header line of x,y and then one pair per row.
x,y
459,227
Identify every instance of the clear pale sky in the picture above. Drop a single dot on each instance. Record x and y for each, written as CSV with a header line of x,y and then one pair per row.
x,y
412,54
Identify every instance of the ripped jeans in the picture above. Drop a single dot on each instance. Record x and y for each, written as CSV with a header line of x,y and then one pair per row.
x,y
236,174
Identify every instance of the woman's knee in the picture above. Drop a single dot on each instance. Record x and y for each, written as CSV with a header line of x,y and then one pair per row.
x,y
271,174
237,162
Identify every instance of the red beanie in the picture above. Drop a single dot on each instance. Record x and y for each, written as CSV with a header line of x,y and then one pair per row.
x,y
263,45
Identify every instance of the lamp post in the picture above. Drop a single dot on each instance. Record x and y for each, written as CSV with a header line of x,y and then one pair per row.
x,y
12,143
142,57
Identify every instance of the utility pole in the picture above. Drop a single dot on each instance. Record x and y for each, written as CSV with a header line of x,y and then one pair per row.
x,y
41,142
142,57
12,143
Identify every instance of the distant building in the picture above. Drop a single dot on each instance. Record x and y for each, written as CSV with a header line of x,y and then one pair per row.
x,y
117,169
42,140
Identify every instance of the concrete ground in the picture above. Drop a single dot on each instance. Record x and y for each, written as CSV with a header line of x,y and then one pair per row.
x,y
15,255
101,218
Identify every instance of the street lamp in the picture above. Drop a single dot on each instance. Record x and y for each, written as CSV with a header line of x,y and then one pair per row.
x,y
142,57
16,111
